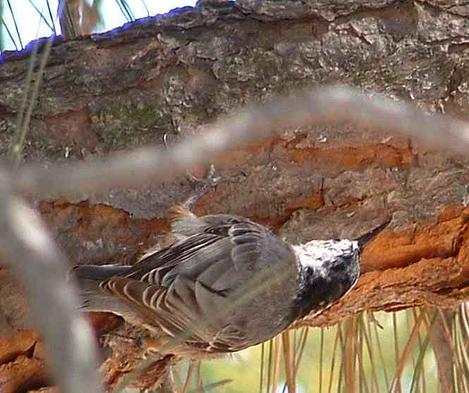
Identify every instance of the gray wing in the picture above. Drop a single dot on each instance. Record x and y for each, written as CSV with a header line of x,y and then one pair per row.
x,y
190,288
184,223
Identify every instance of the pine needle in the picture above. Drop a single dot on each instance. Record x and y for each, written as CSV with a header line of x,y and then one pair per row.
x,y
262,366
190,372
288,363
350,350
276,370
24,118
365,336
321,359
270,364
334,351
380,351
407,351
15,24
9,34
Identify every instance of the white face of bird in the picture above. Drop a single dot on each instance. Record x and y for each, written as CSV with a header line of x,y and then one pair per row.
x,y
330,258
328,270
318,254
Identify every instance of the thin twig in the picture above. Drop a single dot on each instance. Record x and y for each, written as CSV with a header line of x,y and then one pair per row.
x,y
42,268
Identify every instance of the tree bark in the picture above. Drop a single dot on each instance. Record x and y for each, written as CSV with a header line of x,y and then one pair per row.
x,y
163,78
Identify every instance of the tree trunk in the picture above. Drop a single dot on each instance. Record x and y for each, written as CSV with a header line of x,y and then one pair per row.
x,y
165,78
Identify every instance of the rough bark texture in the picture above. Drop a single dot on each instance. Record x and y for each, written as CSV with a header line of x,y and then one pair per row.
x,y
173,74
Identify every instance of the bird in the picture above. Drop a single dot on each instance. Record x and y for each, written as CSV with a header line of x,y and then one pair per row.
x,y
226,283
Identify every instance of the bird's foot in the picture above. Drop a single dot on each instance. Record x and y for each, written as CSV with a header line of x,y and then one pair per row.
x,y
201,186
465,200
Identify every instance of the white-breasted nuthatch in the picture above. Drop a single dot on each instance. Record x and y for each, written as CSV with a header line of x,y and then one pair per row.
x,y
228,283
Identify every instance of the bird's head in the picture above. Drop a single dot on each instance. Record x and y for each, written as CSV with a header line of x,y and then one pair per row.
x,y
328,269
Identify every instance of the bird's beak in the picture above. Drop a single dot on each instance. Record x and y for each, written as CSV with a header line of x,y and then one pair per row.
x,y
370,235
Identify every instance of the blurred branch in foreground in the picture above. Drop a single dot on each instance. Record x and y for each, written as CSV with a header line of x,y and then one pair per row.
x,y
319,106
36,260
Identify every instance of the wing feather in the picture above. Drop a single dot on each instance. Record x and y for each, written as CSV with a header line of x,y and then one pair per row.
x,y
184,288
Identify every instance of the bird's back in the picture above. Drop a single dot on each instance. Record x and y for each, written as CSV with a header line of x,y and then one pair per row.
x,y
227,284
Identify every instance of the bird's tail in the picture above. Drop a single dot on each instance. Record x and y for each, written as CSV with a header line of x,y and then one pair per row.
x,y
93,297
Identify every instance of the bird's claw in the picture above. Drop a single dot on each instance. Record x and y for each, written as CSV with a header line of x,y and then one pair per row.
x,y
465,200
211,180
201,186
